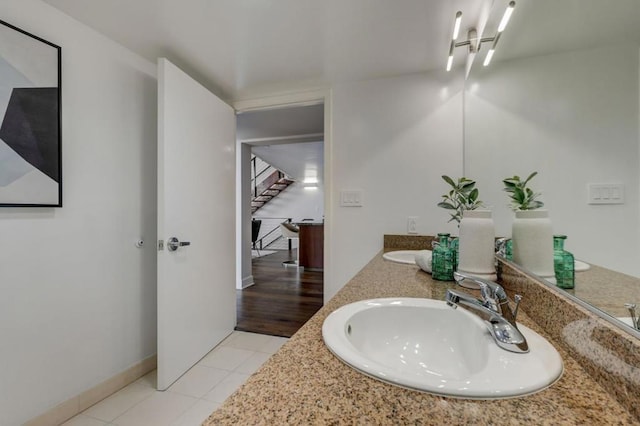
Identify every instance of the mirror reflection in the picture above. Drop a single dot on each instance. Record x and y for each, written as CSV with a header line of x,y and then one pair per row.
x,y
561,97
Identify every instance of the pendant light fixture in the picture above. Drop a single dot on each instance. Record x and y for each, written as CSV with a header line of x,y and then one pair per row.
x,y
473,42
454,37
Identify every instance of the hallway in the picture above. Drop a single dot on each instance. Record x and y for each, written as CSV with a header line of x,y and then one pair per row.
x,y
281,300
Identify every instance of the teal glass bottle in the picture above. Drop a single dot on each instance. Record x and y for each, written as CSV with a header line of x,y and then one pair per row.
x,y
454,245
563,263
442,260
508,249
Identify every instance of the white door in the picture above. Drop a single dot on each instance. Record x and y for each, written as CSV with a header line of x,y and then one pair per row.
x,y
196,205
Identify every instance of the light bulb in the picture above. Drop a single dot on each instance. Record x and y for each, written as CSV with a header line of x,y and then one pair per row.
x,y
487,58
456,25
505,18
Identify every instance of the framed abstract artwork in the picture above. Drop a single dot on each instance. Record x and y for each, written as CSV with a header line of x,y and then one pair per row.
x,y
30,135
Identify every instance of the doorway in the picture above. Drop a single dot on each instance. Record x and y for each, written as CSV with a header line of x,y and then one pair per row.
x,y
271,298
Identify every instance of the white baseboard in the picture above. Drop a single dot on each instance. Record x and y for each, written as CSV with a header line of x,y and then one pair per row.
x,y
247,281
77,404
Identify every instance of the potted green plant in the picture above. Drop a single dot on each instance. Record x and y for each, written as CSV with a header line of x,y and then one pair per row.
x,y
475,245
522,198
462,196
531,233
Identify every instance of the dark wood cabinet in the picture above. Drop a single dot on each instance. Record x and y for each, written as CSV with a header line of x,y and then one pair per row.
x,y
311,245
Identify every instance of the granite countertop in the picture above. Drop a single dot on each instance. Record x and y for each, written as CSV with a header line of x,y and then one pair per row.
x,y
606,289
303,383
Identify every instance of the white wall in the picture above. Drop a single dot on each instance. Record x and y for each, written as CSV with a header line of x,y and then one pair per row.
x,y
77,298
296,203
573,117
301,161
392,138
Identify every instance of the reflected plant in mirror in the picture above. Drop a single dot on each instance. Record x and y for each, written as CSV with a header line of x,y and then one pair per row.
x,y
564,102
522,198
531,232
462,196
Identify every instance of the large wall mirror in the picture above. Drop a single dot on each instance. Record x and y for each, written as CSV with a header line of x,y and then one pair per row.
x,y
561,97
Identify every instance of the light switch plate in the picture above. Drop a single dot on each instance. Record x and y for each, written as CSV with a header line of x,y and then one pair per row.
x,y
351,198
606,193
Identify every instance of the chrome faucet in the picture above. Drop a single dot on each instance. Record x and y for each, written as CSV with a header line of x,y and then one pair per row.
x,y
494,309
501,246
635,321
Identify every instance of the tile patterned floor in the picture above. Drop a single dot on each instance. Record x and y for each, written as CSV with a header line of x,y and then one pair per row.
x,y
194,396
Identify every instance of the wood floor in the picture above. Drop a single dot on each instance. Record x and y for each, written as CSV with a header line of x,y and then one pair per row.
x,y
282,299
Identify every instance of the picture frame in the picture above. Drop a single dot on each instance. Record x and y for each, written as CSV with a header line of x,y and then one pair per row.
x,y
30,120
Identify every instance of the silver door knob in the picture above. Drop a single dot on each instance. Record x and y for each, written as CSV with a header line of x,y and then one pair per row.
x,y
173,244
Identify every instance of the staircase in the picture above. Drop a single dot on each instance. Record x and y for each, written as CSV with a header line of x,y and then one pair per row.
x,y
268,188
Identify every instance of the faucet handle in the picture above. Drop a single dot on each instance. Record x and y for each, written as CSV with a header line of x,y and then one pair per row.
x,y
488,289
517,298
635,322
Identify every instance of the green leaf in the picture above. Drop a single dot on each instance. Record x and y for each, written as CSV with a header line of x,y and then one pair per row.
x,y
473,196
518,195
446,205
449,180
530,177
467,184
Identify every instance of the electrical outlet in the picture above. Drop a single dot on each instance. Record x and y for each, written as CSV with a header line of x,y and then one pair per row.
x,y
412,225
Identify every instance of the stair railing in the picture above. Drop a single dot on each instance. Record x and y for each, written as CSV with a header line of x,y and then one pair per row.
x,y
256,174
270,232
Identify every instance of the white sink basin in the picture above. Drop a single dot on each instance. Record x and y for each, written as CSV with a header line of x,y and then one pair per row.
x,y
425,345
401,256
422,258
580,266
626,320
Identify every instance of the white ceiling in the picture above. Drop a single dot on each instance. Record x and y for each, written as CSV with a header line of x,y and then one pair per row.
x,y
301,161
241,47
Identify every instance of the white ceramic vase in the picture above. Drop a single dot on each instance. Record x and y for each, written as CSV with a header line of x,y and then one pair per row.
x,y
533,243
477,244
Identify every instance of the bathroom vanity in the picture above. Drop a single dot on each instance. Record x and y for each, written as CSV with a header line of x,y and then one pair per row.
x,y
304,383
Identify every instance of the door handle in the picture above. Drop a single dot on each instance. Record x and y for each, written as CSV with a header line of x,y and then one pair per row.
x,y
173,244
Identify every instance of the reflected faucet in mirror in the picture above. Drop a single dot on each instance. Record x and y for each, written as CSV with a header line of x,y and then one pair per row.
x,y
635,321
